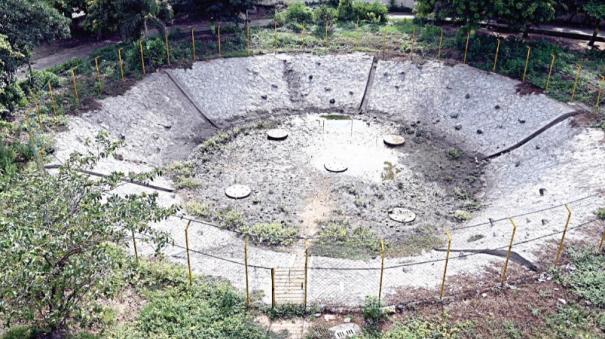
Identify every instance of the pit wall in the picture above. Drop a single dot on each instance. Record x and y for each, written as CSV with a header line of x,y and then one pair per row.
x,y
160,125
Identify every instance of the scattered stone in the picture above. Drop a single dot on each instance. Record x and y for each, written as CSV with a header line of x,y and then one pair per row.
x,y
479,131
329,317
274,86
347,319
317,315
562,301
462,215
454,115
350,92
402,215
521,121
389,309
332,101
264,97
458,127
277,134
497,107
327,89
310,77
238,191
542,191
467,96
393,140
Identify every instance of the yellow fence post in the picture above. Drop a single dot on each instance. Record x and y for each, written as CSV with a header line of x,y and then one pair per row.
x,y
142,56
306,274
53,103
440,44
526,64
575,84
597,105
326,34
468,39
602,241
192,45
121,63
560,249
134,245
496,57
73,80
97,68
167,47
246,271
510,248
219,39
188,255
550,68
447,259
381,270
273,288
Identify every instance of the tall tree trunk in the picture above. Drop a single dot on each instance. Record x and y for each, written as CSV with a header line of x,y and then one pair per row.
x,y
595,33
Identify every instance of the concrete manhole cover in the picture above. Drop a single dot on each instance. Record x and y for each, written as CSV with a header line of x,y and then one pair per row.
x,y
277,134
393,140
238,191
335,166
402,215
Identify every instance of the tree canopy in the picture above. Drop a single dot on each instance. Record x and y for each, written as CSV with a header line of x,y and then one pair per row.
x,y
56,238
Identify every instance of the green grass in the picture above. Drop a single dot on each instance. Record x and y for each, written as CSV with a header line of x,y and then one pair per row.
x,y
587,280
337,240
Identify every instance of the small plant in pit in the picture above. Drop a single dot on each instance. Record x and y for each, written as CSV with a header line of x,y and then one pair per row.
x,y
272,234
600,213
182,173
198,209
231,219
337,240
373,314
475,237
454,153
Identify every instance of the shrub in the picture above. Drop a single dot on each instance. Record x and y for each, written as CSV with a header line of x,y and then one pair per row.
x,y
601,211
375,12
231,219
345,10
39,81
324,17
417,328
298,12
372,313
454,153
273,234
336,240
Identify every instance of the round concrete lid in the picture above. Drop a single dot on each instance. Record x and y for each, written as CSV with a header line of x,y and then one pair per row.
x,y
402,215
237,191
393,140
335,166
277,134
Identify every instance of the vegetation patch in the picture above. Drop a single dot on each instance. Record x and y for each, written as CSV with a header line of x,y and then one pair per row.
x,y
337,240
272,234
587,279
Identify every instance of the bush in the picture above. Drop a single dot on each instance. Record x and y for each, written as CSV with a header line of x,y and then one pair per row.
x,y
324,17
299,13
345,10
273,234
372,313
601,211
231,219
11,97
337,241
375,12
197,209
424,329
39,81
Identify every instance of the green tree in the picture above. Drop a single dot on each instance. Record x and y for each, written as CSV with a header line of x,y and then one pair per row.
x,y
471,12
519,15
128,17
345,10
57,236
595,10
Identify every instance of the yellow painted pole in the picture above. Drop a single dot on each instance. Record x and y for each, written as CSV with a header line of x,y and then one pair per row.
x,y
575,84
550,68
121,64
597,105
73,80
188,255
273,288
326,34
381,270
53,103
602,242
510,248
496,57
192,45
306,274
468,39
526,64
246,271
134,245
142,56
167,47
560,250
440,44
97,68
447,259
219,39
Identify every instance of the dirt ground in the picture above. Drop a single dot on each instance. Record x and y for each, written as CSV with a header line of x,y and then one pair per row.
x,y
291,186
